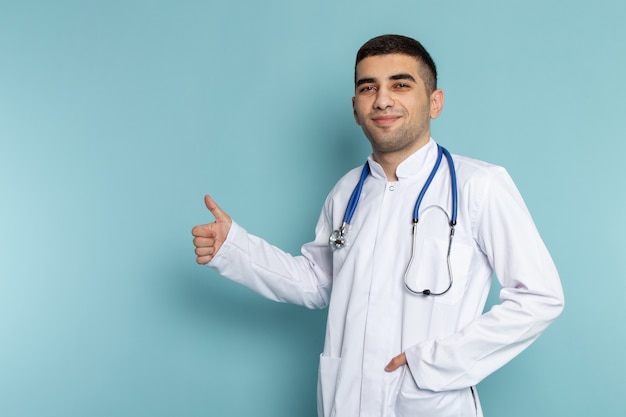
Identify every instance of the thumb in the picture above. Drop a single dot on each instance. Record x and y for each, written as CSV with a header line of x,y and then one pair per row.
x,y
215,209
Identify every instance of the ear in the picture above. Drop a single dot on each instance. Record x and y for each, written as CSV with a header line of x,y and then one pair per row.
x,y
356,116
436,103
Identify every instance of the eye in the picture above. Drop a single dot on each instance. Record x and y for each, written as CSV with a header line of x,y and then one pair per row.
x,y
367,89
402,85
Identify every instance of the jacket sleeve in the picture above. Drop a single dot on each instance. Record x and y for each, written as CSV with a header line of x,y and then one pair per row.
x,y
530,299
253,262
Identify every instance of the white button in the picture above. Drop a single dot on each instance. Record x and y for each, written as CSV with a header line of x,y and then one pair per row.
x,y
391,188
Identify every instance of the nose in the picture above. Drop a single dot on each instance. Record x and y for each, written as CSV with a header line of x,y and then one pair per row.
x,y
384,99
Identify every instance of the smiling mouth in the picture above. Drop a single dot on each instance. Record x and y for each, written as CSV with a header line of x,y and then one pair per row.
x,y
385,120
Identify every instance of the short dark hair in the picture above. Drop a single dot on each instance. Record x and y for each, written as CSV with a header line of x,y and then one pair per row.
x,y
398,44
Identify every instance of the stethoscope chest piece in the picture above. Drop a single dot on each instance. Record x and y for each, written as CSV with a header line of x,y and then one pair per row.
x,y
337,238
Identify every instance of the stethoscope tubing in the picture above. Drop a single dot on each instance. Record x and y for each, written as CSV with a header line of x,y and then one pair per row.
x,y
453,186
356,195
441,151
337,238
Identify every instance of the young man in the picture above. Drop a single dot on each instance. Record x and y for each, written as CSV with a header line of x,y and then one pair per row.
x,y
406,334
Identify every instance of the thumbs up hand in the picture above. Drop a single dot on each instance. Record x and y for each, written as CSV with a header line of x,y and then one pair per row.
x,y
208,238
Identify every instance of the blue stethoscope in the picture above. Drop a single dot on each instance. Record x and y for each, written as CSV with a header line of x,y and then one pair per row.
x,y
337,238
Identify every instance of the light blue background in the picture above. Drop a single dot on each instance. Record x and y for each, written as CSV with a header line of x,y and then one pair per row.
x,y
117,117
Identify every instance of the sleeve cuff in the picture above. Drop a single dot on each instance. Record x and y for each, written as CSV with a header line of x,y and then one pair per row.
x,y
235,233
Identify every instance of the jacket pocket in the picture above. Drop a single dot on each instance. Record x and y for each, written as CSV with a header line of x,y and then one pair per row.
x,y
326,385
413,401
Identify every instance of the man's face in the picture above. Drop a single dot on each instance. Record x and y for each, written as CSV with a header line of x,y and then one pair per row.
x,y
391,104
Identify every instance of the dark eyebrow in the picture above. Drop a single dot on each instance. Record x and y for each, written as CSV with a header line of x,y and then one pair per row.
x,y
365,81
402,77
393,78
